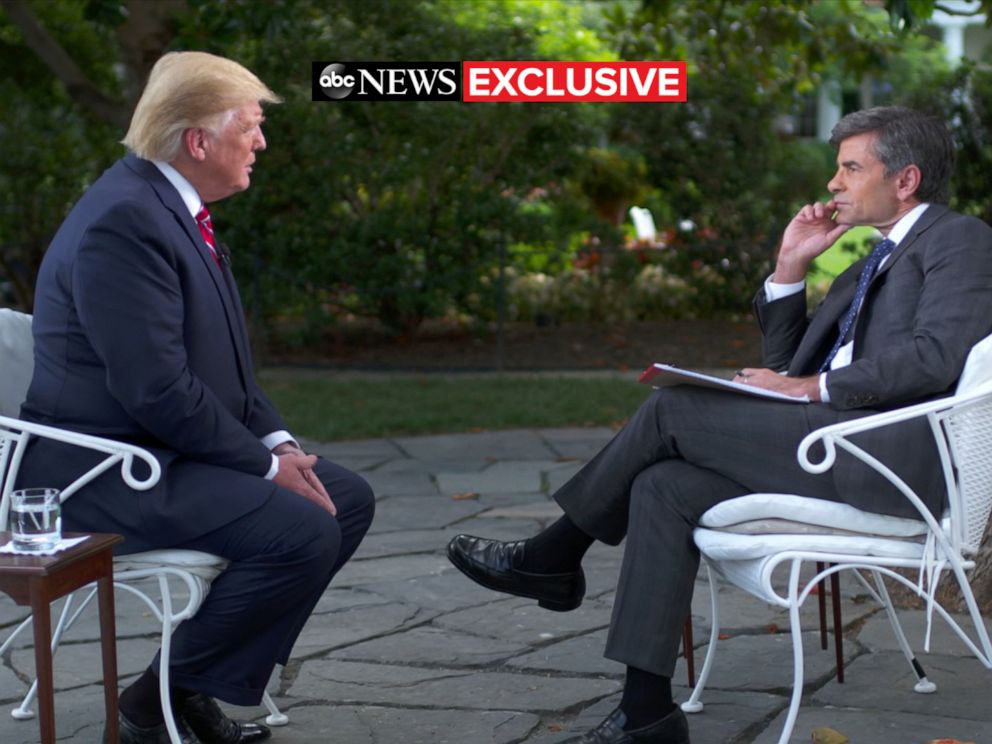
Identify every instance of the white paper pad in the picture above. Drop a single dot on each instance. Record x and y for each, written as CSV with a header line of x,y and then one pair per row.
x,y
665,375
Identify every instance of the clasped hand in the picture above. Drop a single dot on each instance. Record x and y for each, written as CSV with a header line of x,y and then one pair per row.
x,y
296,474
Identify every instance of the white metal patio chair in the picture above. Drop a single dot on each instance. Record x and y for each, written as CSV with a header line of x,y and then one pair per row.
x,y
178,572
744,540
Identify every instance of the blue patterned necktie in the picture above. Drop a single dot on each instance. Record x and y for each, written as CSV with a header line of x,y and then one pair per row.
x,y
882,249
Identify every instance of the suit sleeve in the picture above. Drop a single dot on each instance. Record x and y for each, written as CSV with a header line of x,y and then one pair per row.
x,y
265,419
783,323
128,293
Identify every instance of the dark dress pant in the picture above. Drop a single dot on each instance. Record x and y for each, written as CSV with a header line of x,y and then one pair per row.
x,y
683,451
283,555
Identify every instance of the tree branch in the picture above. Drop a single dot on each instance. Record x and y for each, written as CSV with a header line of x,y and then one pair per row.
x,y
48,49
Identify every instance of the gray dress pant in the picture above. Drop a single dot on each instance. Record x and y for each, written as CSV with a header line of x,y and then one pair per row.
x,y
684,450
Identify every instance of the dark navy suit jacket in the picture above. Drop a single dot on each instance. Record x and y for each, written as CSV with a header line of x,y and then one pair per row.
x,y
140,336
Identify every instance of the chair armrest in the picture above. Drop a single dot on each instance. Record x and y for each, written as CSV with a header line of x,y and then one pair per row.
x,y
117,452
836,435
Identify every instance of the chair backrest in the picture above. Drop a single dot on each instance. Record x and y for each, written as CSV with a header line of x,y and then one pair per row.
x,y
967,429
16,360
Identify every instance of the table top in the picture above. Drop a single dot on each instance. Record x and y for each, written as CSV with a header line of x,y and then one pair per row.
x,y
42,565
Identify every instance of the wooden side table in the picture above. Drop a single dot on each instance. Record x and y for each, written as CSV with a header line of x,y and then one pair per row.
x,y
39,580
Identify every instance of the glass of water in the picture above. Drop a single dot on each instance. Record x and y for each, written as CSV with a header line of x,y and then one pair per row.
x,y
35,518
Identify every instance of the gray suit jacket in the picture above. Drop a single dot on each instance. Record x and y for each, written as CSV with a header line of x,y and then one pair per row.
x,y
928,305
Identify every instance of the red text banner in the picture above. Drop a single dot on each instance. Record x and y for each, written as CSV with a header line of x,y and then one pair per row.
x,y
648,82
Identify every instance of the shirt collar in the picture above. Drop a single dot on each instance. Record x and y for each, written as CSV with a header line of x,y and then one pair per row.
x,y
901,229
186,191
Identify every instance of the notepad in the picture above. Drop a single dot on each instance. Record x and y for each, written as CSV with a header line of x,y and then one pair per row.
x,y
665,375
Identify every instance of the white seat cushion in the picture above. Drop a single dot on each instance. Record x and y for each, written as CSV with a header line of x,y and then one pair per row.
x,y
778,512
198,563
728,546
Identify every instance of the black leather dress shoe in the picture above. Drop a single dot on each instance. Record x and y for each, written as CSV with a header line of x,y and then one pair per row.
x,y
492,564
129,733
672,729
208,722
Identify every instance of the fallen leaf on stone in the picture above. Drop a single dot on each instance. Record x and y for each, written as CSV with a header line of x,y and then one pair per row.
x,y
555,727
464,496
826,735
949,741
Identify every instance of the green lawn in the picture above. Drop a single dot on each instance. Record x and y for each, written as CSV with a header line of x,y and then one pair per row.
x,y
333,408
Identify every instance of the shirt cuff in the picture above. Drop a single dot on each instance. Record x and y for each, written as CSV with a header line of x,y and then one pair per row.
x,y
273,440
824,395
273,469
776,291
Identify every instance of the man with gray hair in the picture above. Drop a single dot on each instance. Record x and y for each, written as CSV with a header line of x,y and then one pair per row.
x,y
894,329
140,336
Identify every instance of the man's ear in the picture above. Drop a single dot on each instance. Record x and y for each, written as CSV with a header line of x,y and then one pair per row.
x,y
908,181
195,143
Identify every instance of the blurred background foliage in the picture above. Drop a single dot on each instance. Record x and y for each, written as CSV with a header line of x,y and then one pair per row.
x,y
404,212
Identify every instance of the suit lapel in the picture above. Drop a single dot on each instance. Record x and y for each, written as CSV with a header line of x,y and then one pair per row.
x,y
925,221
823,327
173,203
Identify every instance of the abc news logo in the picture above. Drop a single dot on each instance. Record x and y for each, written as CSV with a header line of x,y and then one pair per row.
x,y
474,82
385,81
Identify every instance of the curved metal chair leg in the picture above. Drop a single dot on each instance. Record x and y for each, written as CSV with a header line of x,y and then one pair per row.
x,y
693,704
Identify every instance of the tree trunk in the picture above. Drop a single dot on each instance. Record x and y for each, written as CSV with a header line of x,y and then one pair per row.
x,y
143,38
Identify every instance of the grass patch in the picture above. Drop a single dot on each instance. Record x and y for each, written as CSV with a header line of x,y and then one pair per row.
x,y
328,409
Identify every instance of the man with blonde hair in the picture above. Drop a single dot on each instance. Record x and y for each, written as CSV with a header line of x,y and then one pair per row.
x,y
140,336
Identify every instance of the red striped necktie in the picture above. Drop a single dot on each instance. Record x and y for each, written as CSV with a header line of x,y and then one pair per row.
x,y
207,231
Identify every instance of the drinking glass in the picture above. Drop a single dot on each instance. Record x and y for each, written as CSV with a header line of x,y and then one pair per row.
x,y
35,518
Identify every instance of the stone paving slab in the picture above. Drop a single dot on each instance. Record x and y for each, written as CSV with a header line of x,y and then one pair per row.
x,y
580,444
432,645
955,678
516,444
78,719
518,476
522,621
403,648
400,483
372,724
395,513
336,629
867,726
357,682
877,634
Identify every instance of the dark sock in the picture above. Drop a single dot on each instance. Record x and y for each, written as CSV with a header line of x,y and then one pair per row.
x,y
179,695
140,702
556,549
647,698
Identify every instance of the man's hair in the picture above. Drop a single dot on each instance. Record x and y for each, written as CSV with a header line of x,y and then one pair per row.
x,y
186,90
905,137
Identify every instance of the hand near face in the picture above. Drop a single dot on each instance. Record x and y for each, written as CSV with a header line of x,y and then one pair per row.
x,y
811,232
